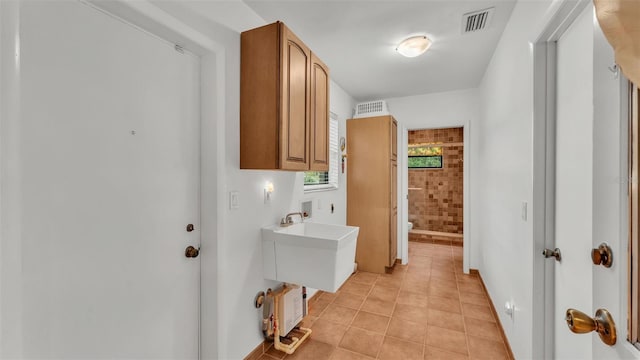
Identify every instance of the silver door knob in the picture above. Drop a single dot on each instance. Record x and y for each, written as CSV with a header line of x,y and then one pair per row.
x,y
555,253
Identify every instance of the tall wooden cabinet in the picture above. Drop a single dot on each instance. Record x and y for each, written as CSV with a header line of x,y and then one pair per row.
x,y
284,102
372,202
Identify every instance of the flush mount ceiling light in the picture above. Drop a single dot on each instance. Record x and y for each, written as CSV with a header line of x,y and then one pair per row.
x,y
414,46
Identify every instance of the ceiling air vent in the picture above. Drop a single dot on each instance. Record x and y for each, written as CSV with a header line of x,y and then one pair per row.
x,y
477,20
371,108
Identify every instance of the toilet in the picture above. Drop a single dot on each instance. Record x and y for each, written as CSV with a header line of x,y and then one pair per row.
x,y
410,226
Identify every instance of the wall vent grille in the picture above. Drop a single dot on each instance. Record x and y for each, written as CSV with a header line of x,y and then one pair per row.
x,y
371,108
477,20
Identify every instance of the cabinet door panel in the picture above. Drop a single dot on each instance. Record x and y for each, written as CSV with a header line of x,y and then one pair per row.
x,y
319,115
394,139
393,225
393,237
295,97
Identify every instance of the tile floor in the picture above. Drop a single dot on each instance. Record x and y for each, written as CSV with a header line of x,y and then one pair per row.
x,y
428,309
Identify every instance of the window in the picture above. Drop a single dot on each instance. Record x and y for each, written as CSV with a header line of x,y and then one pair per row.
x,y
326,180
425,156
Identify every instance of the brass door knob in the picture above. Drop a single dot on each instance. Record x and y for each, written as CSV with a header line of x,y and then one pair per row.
x,y
191,252
581,323
602,255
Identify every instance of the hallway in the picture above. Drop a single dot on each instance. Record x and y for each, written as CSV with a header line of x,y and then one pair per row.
x,y
428,309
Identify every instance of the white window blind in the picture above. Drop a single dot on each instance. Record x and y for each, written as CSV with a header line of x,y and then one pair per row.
x,y
326,180
334,152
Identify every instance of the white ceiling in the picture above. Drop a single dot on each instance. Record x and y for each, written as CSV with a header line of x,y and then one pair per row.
x,y
357,39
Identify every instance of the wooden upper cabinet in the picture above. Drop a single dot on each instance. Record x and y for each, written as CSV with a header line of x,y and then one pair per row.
x,y
279,110
319,115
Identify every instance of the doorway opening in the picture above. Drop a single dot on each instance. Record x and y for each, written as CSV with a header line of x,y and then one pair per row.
x,y
435,185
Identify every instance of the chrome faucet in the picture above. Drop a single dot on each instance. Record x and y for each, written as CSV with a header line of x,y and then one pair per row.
x,y
287,220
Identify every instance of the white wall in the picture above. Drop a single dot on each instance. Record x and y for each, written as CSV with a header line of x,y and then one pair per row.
x,y
437,110
502,175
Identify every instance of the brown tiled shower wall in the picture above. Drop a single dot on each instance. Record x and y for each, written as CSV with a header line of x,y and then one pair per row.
x,y
437,205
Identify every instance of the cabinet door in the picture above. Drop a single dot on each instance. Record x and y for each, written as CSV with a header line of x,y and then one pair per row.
x,y
393,221
319,115
295,98
394,139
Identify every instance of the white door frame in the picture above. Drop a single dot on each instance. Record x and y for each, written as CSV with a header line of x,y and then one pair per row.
x,y
558,18
152,19
466,192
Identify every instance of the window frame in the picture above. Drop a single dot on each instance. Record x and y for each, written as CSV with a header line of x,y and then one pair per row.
x,y
425,167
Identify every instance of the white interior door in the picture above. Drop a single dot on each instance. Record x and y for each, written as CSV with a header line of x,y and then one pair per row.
x,y
573,183
109,165
590,190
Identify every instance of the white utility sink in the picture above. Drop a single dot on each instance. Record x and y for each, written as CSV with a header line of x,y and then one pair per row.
x,y
319,256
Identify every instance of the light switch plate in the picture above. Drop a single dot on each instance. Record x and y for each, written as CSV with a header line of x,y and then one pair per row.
x,y
524,210
234,201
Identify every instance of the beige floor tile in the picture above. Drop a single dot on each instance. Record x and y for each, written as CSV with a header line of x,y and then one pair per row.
x,y
362,341
414,270
471,288
445,319
342,354
446,275
418,276
444,304
357,288
317,307
472,298
312,350
389,282
480,348
446,292
349,300
378,307
431,353
410,298
327,296
477,311
364,277
444,263
482,328
444,283
384,293
372,322
420,288
328,332
394,349
308,321
445,339
407,330
412,313
338,314
420,261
